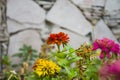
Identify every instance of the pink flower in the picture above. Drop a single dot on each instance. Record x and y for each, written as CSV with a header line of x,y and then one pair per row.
x,y
110,70
115,68
103,72
116,48
106,45
101,55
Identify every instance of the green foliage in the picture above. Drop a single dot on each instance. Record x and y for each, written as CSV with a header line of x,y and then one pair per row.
x,y
5,60
91,73
34,76
66,58
26,54
10,75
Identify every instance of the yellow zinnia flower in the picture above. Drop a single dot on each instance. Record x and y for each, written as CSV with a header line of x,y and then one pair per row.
x,y
45,68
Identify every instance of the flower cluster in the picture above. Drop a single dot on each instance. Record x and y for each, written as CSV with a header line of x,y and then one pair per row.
x,y
110,70
88,65
85,50
60,38
107,46
45,68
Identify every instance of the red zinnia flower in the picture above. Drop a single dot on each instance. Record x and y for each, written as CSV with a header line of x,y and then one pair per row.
x,y
60,38
52,39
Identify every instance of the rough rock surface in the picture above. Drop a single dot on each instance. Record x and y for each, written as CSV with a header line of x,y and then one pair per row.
x,y
101,30
28,37
14,26
26,11
65,14
112,5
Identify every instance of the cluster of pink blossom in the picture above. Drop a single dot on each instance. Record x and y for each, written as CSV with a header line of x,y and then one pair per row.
x,y
107,46
110,71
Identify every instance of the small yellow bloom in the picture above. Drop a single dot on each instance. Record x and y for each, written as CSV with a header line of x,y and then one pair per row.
x,y
85,50
44,68
96,54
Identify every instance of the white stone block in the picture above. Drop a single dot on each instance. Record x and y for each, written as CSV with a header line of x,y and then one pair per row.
x,y
26,11
65,14
112,5
14,26
101,31
28,37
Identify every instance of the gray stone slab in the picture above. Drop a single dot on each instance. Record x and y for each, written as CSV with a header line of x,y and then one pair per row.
x,y
0,17
112,5
101,30
25,11
112,12
116,30
28,37
99,2
83,4
14,26
65,14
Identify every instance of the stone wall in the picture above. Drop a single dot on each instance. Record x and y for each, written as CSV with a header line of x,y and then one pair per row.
x,y
31,21
4,35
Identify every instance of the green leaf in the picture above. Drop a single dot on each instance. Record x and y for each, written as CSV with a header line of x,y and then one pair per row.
x,y
91,71
71,50
71,72
15,65
62,62
32,76
74,59
61,55
74,72
5,60
18,55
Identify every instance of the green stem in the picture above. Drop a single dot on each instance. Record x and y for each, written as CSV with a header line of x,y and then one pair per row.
x,y
10,77
58,46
